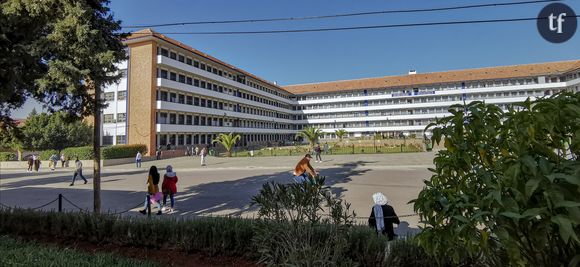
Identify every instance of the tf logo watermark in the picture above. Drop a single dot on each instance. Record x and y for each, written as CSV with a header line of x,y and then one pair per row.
x,y
557,23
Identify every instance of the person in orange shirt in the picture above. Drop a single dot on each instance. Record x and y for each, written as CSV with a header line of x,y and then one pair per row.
x,y
303,168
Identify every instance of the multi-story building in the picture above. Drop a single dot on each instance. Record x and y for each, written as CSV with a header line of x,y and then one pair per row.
x,y
407,103
174,94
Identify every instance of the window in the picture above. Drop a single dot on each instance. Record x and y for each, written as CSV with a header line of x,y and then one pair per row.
x,y
164,74
189,100
196,64
215,71
220,73
163,95
196,101
181,78
202,84
188,119
173,76
121,139
108,118
196,82
121,117
188,61
162,140
202,102
173,55
107,140
209,103
189,80
208,69
181,58
181,99
195,120
172,118
181,119
188,139
202,66
172,97
162,118
164,52
215,104
122,95
110,96
202,122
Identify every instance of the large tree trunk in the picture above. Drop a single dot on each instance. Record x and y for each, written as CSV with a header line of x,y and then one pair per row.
x,y
97,151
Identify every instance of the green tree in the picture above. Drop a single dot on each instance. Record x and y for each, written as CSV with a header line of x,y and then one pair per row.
x,y
311,134
340,133
61,52
11,138
54,131
228,141
506,184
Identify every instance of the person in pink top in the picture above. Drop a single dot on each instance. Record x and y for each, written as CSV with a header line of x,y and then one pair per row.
x,y
169,186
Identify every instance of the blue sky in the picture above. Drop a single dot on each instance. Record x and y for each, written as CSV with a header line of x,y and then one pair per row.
x,y
294,58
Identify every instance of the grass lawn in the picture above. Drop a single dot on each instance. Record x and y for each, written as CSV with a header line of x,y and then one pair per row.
x,y
19,253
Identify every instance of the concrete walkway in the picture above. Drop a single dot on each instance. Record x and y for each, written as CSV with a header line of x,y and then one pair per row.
x,y
225,186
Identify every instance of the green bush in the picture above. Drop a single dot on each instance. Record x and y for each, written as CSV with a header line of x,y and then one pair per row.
x,y
7,156
507,182
83,152
122,151
45,154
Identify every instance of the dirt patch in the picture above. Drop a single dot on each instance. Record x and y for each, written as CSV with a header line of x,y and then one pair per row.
x,y
163,257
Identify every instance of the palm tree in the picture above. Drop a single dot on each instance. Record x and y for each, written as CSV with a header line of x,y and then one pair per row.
x,y
340,134
311,134
228,141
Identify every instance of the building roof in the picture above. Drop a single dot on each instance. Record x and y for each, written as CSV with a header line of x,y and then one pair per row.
x,y
141,34
516,71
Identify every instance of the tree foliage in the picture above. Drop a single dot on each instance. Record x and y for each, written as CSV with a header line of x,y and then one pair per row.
x,y
54,50
311,134
228,141
508,183
340,133
54,131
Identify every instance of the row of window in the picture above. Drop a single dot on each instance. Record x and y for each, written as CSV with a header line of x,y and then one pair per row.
x,y
186,139
203,120
428,99
190,99
200,82
203,65
110,118
441,87
108,140
121,95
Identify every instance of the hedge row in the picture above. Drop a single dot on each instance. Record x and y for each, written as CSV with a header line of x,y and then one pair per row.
x,y
86,152
7,156
211,235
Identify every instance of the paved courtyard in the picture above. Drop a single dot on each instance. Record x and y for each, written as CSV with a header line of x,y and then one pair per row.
x,y
225,186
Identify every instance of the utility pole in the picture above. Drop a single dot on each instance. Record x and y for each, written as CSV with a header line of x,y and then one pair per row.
x,y
97,150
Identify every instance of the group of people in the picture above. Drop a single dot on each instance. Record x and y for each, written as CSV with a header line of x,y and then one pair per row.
x,y
34,162
382,216
168,189
318,151
189,151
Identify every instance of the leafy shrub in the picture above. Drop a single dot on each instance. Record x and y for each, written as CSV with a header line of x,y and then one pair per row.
x,y
7,156
122,151
507,183
46,154
83,152
293,230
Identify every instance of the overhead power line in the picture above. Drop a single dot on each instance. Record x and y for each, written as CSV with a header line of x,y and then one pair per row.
x,y
341,15
353,28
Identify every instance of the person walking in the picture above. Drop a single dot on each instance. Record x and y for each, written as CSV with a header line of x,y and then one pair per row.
x,y
53,161
30,163
318,151
383,216
138,159
37,162
202,154
196,151
326,148
62,160
303,169
78,171
158,153
169,186
153,190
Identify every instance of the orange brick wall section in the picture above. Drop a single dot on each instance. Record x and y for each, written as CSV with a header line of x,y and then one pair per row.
x,y
142,99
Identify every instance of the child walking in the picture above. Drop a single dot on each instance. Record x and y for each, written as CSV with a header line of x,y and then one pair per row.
x,y
153,190
169,186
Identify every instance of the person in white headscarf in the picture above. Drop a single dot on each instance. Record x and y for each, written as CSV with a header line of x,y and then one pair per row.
x,y
383,216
